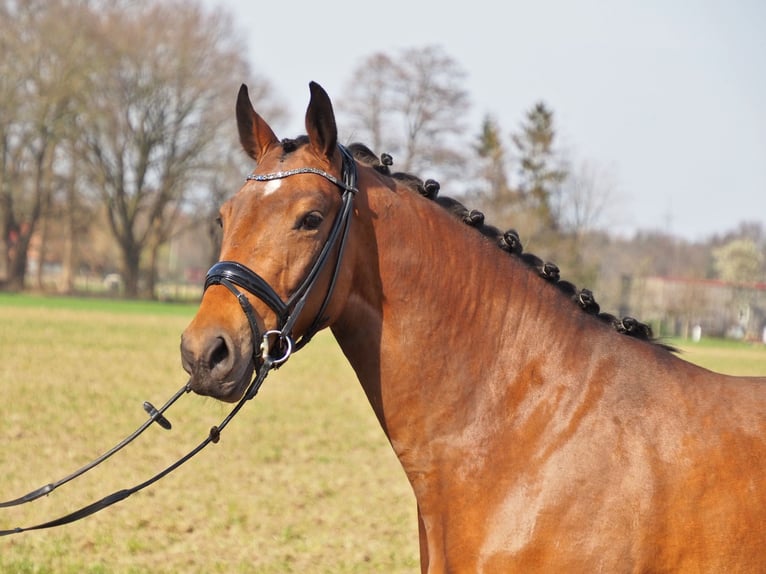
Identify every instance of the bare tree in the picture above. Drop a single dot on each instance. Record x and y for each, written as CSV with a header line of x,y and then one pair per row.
x,y
129,98
11,127
434,105
155,111
39,86
369,102
62,76
587,195
17,214
412,106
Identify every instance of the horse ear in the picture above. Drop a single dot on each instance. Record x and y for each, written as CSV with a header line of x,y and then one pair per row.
x,y
320,122
255,135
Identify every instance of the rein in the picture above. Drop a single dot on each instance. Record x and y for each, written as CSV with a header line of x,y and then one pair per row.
x,y
231,274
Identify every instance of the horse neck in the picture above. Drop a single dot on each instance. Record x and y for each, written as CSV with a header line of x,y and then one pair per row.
x,y
440,322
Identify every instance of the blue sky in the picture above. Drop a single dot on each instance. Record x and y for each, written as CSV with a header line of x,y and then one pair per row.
x,y
668,97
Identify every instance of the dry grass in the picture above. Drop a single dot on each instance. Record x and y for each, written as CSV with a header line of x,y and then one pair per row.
x,y
303,479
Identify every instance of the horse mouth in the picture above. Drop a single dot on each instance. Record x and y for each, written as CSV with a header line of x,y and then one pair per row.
x,y
217,365
229,391
227,387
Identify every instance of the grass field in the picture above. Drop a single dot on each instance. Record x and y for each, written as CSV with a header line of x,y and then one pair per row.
x,y
303,480
723,356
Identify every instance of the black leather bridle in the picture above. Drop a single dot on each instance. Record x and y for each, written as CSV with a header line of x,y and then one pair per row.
x,y
232,274
274,349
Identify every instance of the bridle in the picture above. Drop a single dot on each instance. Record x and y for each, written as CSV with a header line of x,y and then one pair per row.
x,y
276,345
231,274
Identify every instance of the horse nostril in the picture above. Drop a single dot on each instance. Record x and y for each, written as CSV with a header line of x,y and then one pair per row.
x,y
209,357
219,353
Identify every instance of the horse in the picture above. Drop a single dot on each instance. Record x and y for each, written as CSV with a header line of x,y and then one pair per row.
x,y
536,437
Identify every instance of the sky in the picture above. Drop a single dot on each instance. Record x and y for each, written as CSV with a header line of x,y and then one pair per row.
x,y
667,98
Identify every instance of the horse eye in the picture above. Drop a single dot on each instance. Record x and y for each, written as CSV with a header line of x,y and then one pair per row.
x,y
311,221
219,222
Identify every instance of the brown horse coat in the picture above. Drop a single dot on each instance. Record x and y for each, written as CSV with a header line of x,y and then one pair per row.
x,y
535,437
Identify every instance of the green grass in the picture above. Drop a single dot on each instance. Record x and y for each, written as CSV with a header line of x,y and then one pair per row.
x,y
96,304
303,479
725,356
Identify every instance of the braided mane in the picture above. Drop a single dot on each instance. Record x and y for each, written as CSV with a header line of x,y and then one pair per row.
x,y
508,241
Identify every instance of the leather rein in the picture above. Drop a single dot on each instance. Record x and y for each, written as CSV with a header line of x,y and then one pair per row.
x,y
275,347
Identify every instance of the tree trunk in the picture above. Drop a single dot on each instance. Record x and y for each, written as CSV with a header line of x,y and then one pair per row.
x,y
17,271
41,254
131,271
70,259
154,255
66,280
6,214
44,167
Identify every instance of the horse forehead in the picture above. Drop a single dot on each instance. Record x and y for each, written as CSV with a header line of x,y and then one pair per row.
x,y
271,187
281,189
279,196
278,182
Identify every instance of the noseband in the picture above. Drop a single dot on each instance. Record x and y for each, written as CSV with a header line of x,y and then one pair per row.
x,y
232,274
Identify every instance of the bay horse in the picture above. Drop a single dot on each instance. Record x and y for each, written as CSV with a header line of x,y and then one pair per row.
x,y
534,435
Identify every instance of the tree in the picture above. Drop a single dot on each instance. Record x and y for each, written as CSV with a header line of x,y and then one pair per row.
x,y
39,88
156,106
412,106
126,103
541,171
369,102
739,261
494,192
587,193
11,138
78,215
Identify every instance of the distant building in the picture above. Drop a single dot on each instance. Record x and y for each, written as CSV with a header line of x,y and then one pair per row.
x,y
674,305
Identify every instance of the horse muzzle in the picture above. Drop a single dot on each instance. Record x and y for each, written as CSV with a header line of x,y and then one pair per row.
x,y
216,363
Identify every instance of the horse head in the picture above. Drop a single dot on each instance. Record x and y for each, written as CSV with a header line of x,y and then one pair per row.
x,y
283,236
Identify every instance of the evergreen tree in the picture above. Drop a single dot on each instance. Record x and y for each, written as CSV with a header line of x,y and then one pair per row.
x,y
495,194
540,173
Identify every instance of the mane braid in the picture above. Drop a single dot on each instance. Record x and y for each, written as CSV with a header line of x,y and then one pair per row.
x,y
509,242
